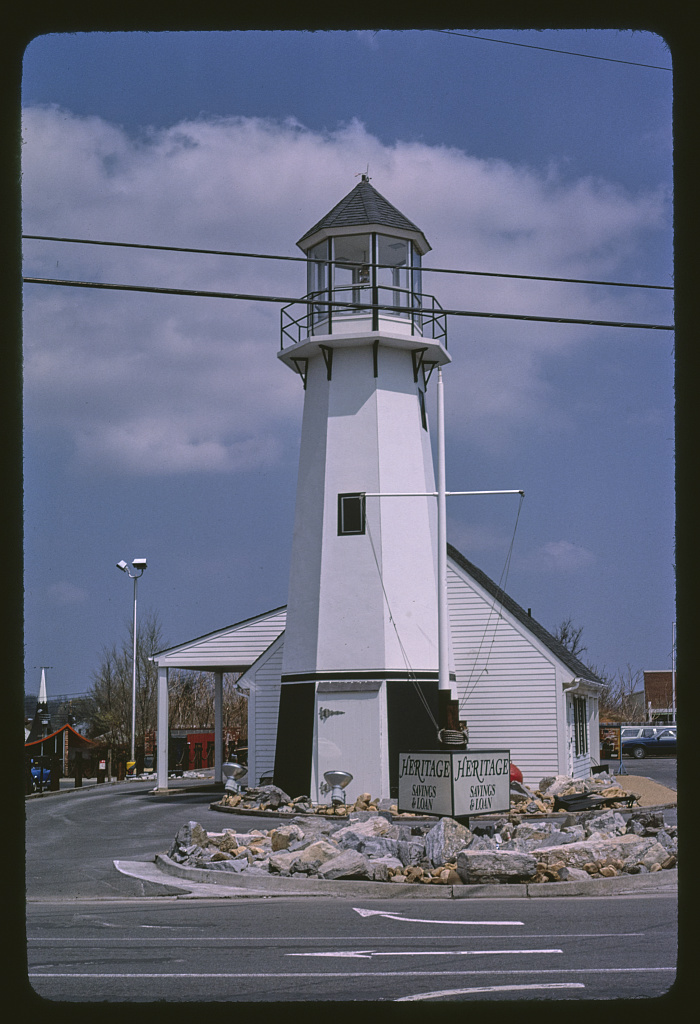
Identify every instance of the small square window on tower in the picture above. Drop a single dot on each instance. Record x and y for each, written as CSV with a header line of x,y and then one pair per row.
x,y
351,514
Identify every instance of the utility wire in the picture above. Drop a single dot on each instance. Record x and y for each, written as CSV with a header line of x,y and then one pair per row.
x,y
497,599
304,259
346,305
551,49
410,672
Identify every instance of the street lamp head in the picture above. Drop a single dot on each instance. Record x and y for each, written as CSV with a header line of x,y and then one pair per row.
x,y
123,566
139,563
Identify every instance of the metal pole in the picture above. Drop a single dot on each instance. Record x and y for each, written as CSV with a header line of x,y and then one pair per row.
x,y
443,624
133,686
673,673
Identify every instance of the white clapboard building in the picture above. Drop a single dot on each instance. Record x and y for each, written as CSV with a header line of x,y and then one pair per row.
x,y
349,675
518,687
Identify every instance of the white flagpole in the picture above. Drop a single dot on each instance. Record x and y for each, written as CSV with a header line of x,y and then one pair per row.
x,y
443,622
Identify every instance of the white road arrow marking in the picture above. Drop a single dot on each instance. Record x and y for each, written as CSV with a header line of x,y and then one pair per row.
x,y
423,920
486,988
367,953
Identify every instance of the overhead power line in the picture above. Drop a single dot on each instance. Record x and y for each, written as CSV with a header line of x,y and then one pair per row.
x,y
551,49
345,305
304,259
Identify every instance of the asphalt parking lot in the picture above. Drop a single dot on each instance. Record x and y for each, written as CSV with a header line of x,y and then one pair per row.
x,y
661,769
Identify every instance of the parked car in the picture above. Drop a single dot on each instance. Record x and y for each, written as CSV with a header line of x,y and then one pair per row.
x,y
41,778
641,740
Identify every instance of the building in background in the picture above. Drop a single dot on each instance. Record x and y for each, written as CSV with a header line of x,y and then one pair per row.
x,y
660,696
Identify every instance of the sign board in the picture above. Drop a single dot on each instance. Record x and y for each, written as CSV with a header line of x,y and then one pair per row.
x,y
610,742
103,766
454,783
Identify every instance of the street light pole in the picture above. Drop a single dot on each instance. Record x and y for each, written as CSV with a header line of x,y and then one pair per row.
x,y
133,683
138,564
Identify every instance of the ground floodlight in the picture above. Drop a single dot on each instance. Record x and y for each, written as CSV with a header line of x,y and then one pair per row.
x,y
232,772
337,780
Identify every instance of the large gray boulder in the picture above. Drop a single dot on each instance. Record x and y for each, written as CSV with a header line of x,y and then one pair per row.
x,y
346,864
191,834
603,850
310,859
282,837
474,866
379,846
444,841
411,851
605,821
271,796
356,834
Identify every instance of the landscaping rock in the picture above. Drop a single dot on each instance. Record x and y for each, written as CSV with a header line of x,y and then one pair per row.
x,y
354,835
569,874
363,841
346,864
495,866
411,851
444,841
280,838
281,863
605,821
379,846
310,859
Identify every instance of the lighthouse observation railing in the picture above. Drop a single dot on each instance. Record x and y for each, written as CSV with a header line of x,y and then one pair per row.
x,y
361,308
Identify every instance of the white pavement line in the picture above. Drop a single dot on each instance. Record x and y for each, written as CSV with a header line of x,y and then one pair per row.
x,y
367,953
423,920
487,988
231,940
191,890
356,974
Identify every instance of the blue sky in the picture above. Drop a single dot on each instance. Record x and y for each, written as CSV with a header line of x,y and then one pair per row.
x,y
166,427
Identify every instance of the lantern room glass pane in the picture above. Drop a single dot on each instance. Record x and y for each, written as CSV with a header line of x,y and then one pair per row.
x,y
393,278
417,274
352,257
317,280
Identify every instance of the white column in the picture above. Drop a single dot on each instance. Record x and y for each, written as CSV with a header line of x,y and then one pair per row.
x,y
218,725
443,620
162,731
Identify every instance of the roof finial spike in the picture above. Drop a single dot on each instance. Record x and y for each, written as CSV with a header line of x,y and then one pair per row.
x,y
42,686
364,174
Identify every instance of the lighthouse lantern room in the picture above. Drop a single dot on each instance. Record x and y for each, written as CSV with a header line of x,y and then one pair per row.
x,y
359,677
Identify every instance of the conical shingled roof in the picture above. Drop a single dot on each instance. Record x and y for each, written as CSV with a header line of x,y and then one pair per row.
x,y
361,207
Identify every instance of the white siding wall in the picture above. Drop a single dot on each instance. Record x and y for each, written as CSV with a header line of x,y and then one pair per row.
x,y
506,684
263,711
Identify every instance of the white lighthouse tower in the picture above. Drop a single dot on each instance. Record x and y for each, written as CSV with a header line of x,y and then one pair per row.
x,y
360,665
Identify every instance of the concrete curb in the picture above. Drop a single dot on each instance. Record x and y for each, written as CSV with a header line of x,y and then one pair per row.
x,y
555,815
276,885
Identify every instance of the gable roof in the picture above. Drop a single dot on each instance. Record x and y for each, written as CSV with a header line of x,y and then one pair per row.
x,y
360,208
231,649
75,739
235,648
579,670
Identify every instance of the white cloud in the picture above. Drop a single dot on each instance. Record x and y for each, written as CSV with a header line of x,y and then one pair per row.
x,y
67,593
558,556
171,384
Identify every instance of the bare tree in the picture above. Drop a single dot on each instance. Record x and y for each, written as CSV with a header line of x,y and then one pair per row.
x,y
192,702
570,636
111,692
620,701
